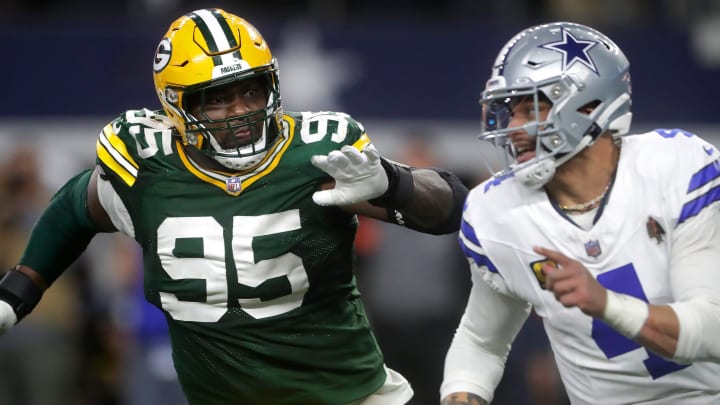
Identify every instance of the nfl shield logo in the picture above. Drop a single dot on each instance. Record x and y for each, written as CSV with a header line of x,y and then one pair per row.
x,y
233,185
592,248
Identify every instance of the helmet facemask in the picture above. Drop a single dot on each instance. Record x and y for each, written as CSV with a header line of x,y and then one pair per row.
x,y
238,142
551,147
497,113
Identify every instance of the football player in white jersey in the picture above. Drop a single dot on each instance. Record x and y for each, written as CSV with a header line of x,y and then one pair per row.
x,y
613,239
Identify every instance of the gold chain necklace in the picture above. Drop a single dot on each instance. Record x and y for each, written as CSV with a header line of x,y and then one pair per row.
x,y
586,206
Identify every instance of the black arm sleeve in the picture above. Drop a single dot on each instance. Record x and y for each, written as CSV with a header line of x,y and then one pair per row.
x,y
452,221
18,290
402,190
400,185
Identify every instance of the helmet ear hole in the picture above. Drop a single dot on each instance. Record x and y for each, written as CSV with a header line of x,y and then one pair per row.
x,y
191,101
588,107
543,98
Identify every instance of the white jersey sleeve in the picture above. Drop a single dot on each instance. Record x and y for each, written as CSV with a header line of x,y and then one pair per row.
x,y
695,252
115,208
491,321
696,287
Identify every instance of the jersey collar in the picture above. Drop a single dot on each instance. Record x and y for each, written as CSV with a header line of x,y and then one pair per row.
x,y
235,183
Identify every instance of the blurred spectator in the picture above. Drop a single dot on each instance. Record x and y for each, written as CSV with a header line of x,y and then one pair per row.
x,y
40,356
531,376
68,350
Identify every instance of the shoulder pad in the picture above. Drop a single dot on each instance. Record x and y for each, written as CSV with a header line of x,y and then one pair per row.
x,y
327,127
125,142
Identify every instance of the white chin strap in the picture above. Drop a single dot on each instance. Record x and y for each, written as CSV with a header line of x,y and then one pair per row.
x,y
537,174
243,159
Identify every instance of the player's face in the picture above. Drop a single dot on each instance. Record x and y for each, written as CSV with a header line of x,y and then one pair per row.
x,y
244,100
523,111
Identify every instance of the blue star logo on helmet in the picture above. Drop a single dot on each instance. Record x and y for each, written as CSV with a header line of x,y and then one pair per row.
x,y
573,50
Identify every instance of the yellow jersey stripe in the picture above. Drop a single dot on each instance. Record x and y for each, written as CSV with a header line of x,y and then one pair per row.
x,y
202,176
113,165
112,152
362,142
119,146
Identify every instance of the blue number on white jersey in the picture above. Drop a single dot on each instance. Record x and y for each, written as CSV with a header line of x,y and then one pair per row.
x,y
625,280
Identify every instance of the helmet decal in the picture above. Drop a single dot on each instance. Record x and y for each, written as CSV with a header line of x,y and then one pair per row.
x,y
573,50
218,36
162,55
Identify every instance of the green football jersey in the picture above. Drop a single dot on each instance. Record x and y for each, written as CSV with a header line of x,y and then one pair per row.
x,y
255,280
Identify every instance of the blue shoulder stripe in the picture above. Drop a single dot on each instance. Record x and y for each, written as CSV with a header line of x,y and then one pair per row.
x,y
481,260
692,208
468,233
704,175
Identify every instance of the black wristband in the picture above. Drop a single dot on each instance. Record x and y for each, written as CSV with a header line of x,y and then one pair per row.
x,y
452,222
400,186
18,290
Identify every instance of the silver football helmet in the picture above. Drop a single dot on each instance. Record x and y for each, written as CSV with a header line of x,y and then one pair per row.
x,y
572,67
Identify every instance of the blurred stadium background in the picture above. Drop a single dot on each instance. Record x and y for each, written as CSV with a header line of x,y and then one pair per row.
x,y
410,70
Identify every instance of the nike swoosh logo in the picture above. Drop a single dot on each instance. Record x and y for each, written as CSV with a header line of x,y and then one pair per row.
x,y
708,149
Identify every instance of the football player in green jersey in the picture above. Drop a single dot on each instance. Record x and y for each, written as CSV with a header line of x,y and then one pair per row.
x,y
246,216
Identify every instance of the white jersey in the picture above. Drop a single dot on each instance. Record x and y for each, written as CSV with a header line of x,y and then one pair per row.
x,y
665,180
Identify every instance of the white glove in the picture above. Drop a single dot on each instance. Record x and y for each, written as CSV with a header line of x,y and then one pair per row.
x,y
359,176
8,319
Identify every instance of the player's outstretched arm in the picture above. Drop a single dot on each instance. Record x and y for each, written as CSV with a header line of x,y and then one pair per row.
x,y
427,200
434,205
61,234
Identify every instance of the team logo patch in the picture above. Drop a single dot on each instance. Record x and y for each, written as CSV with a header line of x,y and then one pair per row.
x,y
654,230
233,185
592,248
573,50
537,266
162,55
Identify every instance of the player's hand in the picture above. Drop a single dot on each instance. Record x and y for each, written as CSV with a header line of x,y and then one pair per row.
x,y
572,283
7,317
359,176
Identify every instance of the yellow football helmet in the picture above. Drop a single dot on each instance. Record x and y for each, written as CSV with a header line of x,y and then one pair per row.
x,y
201,52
